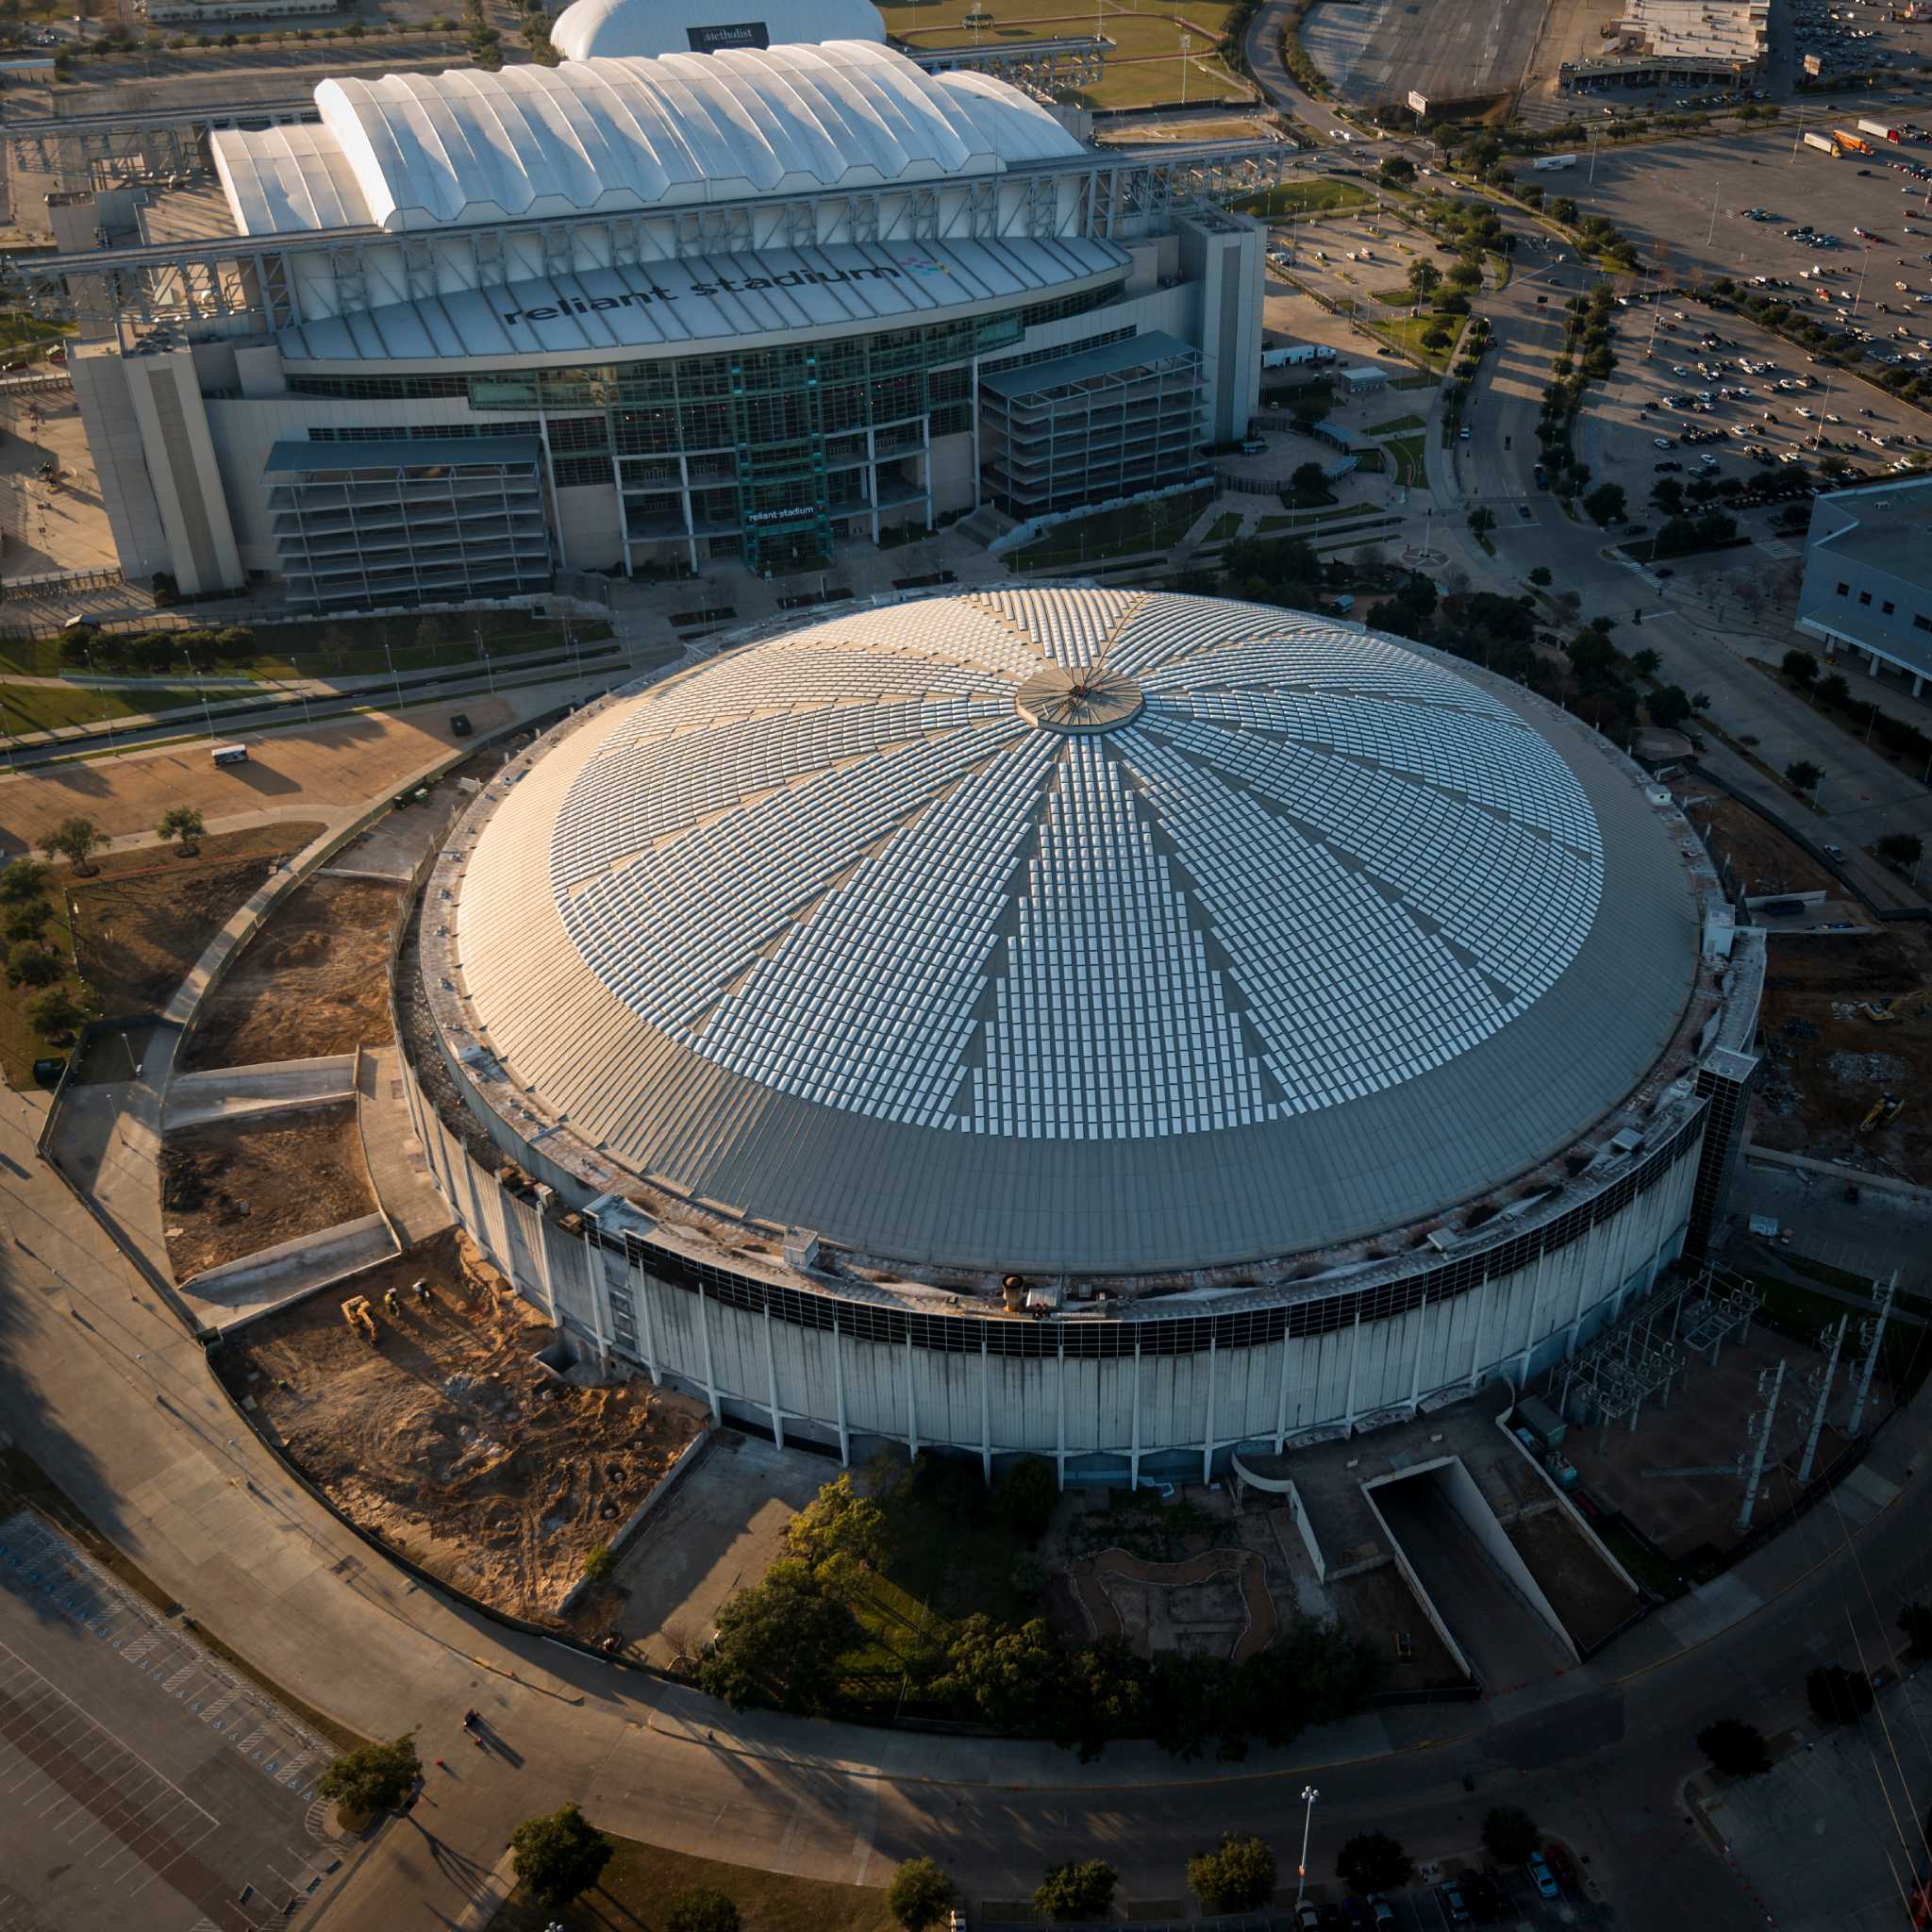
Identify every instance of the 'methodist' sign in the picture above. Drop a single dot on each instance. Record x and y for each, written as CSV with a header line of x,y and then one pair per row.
x,y
719,40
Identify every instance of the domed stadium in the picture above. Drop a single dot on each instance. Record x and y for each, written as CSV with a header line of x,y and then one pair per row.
x,y
1074,972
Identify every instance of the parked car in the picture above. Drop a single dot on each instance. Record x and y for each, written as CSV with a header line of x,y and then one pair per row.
x,y
1449,1896
1380,1912
1542,1877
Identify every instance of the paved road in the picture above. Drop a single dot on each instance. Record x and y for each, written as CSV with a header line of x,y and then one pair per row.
x,y
102,1386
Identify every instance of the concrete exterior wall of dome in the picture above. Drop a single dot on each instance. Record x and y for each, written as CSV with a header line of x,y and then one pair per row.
x,y
1179,1388
1157,1376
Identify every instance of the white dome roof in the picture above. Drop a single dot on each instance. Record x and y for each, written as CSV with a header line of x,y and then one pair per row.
x,y
1081,928
617,28
428,150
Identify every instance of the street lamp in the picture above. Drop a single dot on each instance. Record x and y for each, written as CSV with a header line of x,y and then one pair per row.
x,y
1301,1872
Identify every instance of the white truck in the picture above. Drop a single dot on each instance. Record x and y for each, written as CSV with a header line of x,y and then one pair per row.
x,y
1824,144
1883,129
1548,164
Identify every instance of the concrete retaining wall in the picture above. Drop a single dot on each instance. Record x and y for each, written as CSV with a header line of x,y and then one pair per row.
x,y
274,1085
688,1459
258,1284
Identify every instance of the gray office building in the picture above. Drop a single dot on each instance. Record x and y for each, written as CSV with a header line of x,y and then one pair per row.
x,y
1868,577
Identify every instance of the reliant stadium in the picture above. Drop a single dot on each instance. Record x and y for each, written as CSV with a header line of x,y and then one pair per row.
x,y
1112,1025
444,336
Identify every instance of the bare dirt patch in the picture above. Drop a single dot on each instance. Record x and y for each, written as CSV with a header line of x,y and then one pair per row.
x,y
1377,1604
313,981
1763,860
143,926
1827,1060
234,1189
1586,1593
447,1440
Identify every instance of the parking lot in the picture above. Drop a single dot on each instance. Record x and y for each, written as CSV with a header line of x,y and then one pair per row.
x,y
142,1782
1516,1903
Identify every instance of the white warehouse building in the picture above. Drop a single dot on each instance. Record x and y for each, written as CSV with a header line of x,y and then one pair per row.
x,y
1111,1025
443,335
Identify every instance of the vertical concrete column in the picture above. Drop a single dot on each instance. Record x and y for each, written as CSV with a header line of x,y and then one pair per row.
x,y
1355,1357
1208,1416
772,1383
1134,1453
1482,1322
640,1285
1531,1337
839,1390
912,1399
985,1408
1281,1391
1060,1407
1415,1368
710,1379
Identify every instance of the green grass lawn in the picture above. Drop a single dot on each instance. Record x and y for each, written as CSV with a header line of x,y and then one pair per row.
x,y
43,707
640,1880
25,334
1406,452
1145,526
1302,198
1406,332
1394,299
1155,83
353,645
1224,527
1396,424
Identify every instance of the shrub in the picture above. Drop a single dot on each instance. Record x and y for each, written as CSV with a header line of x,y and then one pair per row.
x,y
76,839
22,882
599,1561
183,826
27,920
1374,1861
374,1777
54,1015
31,964
920,1894
1734,1748
1509,1834
1237,1876
700,1910
562,1855
1837,1695
1074,1891
1027,1495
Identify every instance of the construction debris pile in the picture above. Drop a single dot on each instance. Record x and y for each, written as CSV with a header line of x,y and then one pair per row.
x,y
420,1405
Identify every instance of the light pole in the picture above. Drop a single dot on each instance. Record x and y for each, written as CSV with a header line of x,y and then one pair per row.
x,y
1301,1872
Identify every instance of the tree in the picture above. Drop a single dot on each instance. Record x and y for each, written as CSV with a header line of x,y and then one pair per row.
x,y
1605,504
1008,1675
1026,1497
27,920
29,964
1644,663
373,1777
1509,1834
75,840
1076,1891
1837,1695
1309,484
1668,706
1482,521
1901,851
54,1014
837,1531
1802,775
920,1894
1374,1861
1540,576
700,1910
561,1854
1423,276
777,1643
183,825
1237,1876
25,879
1398,170
1436,337
1734,1748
